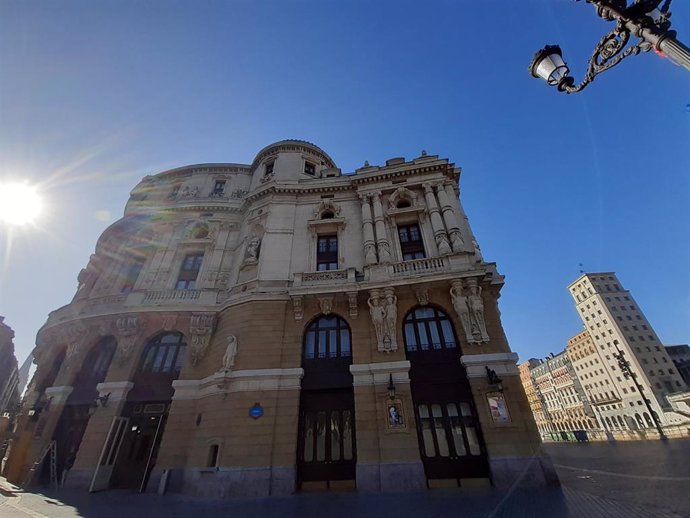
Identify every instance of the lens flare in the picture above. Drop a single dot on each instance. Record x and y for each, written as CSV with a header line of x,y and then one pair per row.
x,y
19,203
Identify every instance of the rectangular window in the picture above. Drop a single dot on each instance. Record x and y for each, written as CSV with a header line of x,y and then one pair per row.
x,y
327,253
189,272
131,275
411,243
309,168
219,187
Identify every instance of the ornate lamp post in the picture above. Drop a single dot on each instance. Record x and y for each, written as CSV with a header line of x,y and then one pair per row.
x,y
647,20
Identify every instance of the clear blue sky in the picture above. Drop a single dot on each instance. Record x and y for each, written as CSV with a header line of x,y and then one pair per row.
x,y
94,95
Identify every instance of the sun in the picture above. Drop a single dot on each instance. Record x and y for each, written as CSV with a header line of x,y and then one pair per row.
x,y
19,203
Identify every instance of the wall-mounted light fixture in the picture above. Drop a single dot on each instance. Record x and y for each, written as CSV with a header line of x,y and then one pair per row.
x,y
493,378
100,400
391,387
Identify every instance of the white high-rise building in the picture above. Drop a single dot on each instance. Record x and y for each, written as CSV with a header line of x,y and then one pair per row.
x,y
616,325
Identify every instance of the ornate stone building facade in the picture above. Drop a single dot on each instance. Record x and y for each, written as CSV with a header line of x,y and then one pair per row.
x,y
265,328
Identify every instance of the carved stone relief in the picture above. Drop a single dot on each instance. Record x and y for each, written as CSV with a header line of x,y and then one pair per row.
x,y
326,305
201,328
422,295
297,308
352,303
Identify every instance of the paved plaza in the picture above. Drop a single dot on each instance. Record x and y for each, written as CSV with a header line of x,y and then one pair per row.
x,y
626,480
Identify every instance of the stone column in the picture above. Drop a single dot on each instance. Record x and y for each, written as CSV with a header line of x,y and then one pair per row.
x,y
368,231
381,240
436,222
463,221
450,219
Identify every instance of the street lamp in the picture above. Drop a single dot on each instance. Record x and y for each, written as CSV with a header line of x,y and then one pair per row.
x,y
629,374
647,20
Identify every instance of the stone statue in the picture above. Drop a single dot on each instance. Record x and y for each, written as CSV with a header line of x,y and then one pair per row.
x,y
87,277
477,308
391,320
251,254
462,309
230,353
378,316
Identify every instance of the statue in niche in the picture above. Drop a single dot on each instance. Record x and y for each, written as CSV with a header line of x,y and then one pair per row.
x,y
477,308
378,317
462,309
230,353
391,319
251,254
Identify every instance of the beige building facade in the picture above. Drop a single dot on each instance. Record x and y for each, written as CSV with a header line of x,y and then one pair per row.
x,y
617,326
252,330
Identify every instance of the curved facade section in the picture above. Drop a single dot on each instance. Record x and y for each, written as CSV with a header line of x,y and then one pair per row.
x,y
204,290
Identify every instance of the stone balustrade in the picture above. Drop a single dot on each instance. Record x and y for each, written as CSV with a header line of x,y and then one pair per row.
x,y
419,266
165,296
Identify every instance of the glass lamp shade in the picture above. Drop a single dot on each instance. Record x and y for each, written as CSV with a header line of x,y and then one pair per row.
x,y
548,65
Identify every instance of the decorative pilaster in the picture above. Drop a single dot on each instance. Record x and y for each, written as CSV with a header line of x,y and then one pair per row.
x,y
201,328
436,222
449,217
381,239
368,231
297,308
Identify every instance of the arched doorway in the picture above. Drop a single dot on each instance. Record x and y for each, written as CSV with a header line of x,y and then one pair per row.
x,y
326,449
144,415
81,402
450,440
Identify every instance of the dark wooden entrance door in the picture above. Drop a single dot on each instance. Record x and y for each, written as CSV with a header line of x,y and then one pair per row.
x,y
450,440
326,449
139,449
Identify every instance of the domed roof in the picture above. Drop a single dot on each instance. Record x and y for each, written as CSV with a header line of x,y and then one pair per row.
x,y
293,145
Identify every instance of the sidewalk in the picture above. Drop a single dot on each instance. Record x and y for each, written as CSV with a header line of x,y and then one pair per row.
x,y
474,503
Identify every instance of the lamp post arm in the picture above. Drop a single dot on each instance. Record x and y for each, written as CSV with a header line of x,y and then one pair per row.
x,y
661,40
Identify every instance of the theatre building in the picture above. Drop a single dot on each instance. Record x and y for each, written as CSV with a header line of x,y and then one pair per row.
x,y
252,330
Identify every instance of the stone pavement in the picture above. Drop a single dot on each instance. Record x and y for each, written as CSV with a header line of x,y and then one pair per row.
x,y
465,503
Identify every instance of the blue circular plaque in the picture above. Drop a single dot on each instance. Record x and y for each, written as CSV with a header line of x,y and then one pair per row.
x,y
256,411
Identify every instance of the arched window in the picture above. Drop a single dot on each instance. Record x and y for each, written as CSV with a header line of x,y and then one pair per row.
x,y
164,353
94,370
608,422
640,423
428,328
648,420
327,337
622,423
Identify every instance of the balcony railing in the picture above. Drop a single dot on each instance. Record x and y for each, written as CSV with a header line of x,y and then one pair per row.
x,y
419,266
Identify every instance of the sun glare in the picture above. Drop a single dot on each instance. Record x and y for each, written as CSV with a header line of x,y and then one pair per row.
x,y
19,203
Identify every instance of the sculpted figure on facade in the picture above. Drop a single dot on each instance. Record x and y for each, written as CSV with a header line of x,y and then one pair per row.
x,y
477,308
87,277
378,317
390,341
251,254
230,353
460,304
